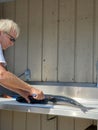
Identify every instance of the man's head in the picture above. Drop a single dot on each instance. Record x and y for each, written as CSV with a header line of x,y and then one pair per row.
x,y
9,31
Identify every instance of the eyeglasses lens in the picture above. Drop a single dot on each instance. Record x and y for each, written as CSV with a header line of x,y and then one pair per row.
x,y
12,39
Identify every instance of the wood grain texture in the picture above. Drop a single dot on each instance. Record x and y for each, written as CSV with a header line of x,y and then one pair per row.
x,y
5,120
21,43
84,42
66,40
19,121
35,39
49,70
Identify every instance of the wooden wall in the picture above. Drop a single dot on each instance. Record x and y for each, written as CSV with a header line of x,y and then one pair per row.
x,y
12,120
58,42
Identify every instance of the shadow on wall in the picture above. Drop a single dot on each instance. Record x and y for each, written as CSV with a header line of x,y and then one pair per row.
x,y
91,127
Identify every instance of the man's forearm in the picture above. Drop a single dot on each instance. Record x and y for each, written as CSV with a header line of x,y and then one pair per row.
x,y
11,81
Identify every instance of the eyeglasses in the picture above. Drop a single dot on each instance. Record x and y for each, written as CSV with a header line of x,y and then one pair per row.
x,y
12,39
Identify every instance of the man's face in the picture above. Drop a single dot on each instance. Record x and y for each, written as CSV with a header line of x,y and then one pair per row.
x,y
7,39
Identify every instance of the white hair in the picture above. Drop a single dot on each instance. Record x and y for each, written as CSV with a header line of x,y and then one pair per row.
x,y
6,25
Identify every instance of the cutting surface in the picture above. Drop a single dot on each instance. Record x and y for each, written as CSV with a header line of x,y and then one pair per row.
x,y
58,109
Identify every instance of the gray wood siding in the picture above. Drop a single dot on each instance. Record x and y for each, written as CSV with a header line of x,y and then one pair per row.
x,y
21,45
14,120
58,42
50,40
66,41
95,32
35,39
84,41
58,39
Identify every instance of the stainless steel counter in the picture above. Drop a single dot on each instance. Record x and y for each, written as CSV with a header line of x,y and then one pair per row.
x,y
88,96
61,110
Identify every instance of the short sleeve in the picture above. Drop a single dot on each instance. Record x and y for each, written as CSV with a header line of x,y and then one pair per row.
x,y
2,59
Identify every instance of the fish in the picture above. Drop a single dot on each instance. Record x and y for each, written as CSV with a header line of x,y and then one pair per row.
x,y
55,99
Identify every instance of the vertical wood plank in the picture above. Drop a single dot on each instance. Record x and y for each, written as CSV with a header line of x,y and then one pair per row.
x,y
84,41
19,120
0,10
50,40
33,121
0,118
21,43
5,120
65,123
9,13
66,40
47,124
82,124
35,39
94,122
95,37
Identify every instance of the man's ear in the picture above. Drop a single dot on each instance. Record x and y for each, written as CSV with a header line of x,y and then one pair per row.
x,y
1,32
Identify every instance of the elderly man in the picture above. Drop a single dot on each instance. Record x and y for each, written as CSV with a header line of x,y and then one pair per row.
x,y
9,31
